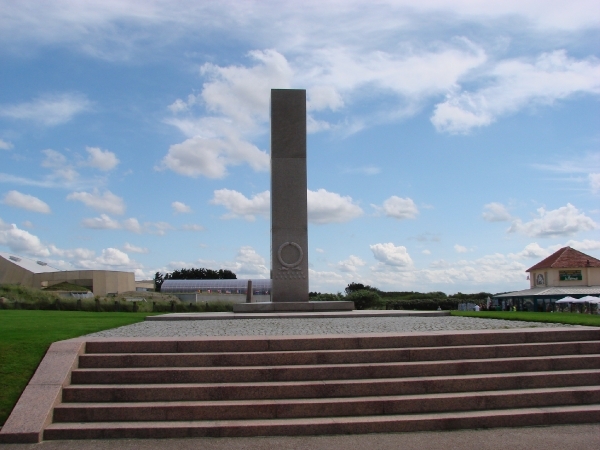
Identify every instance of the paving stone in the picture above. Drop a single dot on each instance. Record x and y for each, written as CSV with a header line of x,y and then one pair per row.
x,y
296,326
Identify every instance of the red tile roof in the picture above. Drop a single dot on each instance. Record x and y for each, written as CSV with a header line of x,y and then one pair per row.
x,y
566,258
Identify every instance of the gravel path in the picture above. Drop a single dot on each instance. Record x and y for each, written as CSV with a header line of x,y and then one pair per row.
x,y
278,327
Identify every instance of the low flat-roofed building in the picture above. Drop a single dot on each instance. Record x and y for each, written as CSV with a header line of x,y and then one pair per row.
x,y
38,274
218,290
566,272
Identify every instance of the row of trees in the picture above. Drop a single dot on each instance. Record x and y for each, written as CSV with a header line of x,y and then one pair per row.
x,y
193,274
365,297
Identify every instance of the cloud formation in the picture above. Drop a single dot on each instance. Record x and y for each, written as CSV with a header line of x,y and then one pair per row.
x,y
398,208
496,212
517,83
105,202
330,207
323,206
181,208
17,199
564,221
391,255
5,145
101,159
48,110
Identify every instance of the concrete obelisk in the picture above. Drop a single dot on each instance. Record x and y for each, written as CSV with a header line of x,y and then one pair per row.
x,y
289,227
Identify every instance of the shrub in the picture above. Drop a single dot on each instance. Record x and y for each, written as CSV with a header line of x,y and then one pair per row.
x,y
365,299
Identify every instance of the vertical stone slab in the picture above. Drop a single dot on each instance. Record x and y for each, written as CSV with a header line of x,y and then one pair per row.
x,y
289,228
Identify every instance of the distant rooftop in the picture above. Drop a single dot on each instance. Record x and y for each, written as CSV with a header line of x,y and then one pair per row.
x,y
566,258
32,265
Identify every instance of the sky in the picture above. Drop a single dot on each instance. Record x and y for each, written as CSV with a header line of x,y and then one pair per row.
x,y
451,144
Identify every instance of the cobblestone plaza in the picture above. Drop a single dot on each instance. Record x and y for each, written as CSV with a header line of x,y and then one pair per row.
x,y
296,326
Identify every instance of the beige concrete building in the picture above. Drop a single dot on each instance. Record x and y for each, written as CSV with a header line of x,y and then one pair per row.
x,y
38,274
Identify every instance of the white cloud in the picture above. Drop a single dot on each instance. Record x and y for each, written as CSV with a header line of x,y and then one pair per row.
x,y
25,201
585,245
159,228
323,97
243,93
594,182
532,250
133,249
319,250
101,159
48,110
351,265
330,207
323,206
391,255
179,106
133,225
179,207
209,157
5,145
25,243
426,252
516,84
564,221
241,206
192,227
113,257
325,281
496,212
249,264
398,208
103,222
27,224
106,202
460,248
21,241
59,164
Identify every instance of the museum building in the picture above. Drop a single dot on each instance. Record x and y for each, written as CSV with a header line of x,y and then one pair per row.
x,y
566,272
39,274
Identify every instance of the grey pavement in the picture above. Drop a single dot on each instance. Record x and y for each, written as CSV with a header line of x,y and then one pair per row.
x,y
563,437
303,326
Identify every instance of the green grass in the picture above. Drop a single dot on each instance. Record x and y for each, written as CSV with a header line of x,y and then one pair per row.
x,y
592,320
26,335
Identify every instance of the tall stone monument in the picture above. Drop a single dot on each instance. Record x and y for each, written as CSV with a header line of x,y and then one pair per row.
x,y
289,221
289,213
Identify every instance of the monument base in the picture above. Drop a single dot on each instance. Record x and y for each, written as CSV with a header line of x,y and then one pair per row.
x,y
267,307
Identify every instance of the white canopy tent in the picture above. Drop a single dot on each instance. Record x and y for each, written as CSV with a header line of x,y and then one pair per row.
x,y
567,300
589,299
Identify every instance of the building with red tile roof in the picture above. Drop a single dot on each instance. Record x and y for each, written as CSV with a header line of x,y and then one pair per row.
x,y
566,272
565,267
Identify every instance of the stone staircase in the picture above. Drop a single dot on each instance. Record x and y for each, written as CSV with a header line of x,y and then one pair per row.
x,y
260,386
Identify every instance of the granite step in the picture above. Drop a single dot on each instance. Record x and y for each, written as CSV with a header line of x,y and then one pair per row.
x,y
122,360
327,388
328,425
331,407
340,342
331,372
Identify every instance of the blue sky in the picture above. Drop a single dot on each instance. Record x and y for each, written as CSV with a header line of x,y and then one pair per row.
x,y
452,144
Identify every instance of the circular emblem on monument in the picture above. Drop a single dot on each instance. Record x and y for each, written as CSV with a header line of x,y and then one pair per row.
x,y
295,263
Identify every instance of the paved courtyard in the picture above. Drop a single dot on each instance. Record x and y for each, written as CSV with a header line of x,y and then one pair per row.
x,y
281,326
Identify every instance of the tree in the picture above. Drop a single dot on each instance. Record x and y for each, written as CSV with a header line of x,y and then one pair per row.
x,y
201,274
158,281
353,287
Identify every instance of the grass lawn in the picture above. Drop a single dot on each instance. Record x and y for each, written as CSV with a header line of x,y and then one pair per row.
x,y
26,335
591,320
